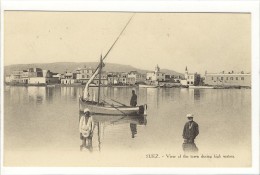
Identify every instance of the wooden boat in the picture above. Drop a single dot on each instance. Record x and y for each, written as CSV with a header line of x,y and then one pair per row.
x,y
147,86
104,108
101,106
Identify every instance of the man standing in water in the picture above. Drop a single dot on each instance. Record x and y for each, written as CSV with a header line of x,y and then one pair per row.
x,y
133,101
86,128
190,132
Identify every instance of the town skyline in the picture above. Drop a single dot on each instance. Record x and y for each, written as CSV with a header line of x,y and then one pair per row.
x,y
203,42
93,65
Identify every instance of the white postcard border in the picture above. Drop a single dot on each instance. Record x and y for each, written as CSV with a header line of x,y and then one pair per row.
x,y
146,6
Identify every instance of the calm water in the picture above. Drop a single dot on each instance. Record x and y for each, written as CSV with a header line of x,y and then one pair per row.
x,y
40,118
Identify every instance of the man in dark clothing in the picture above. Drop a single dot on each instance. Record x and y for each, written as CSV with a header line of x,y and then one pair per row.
x,y
190,130
133,101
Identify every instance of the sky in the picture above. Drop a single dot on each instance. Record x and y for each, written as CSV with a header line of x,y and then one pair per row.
x,y
211,42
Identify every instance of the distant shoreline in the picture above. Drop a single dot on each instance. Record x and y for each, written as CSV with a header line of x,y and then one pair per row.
x,y
124,86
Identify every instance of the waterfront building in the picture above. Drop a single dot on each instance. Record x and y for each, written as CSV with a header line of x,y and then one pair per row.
x,y
25,77
84,74
38,76
228,79
168,77
177,78
35,72
122,80
131,81
190,79
134,77
103,80
8,79
69,78
157,75
34,76
15,77
112,78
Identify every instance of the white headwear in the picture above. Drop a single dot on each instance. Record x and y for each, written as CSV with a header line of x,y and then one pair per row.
x,y
189,115
86,110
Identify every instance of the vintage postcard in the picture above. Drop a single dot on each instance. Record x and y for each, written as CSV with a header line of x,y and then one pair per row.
x,y
130,89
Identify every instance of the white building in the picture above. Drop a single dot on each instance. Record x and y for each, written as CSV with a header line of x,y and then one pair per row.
x,y
84,74
134,77
192,79
228,79
69,78
157,75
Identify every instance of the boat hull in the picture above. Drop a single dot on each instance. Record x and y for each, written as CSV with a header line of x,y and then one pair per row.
x,y
112,110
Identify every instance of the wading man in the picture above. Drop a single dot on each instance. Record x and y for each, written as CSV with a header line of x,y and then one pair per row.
x,y
190,132
133,101
86,128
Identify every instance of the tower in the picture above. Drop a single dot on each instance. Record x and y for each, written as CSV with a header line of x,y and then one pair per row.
x,y
157,69
186,73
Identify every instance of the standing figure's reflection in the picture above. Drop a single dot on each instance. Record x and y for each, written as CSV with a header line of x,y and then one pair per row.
x,y
190,147
140,120
97,124
133,129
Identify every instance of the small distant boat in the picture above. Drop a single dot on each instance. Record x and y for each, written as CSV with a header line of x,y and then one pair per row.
x,y
161,85
50,85
93,85
201,87
168,85
147,86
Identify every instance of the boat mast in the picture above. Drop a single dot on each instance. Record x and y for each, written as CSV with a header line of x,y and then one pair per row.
x,y
99,79
86,93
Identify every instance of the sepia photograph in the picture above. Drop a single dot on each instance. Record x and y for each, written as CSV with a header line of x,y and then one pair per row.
x,y
127,89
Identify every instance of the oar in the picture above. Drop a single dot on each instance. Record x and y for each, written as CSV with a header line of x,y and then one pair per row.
x,y
117,102
115,107
114,100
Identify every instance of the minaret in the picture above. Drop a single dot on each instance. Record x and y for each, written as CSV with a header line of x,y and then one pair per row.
x,y
186,73
157,69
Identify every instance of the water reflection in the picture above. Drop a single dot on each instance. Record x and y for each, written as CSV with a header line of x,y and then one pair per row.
x,y
55,120
190,148
133,129
37,95
196,94
104,121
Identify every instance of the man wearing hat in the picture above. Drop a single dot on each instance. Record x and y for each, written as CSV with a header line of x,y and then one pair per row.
x,y
86,128
190,130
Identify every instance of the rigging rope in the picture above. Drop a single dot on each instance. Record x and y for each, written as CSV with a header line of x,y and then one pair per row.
x,y
116,39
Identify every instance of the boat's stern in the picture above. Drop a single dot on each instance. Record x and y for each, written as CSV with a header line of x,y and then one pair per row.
x,y
143,109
